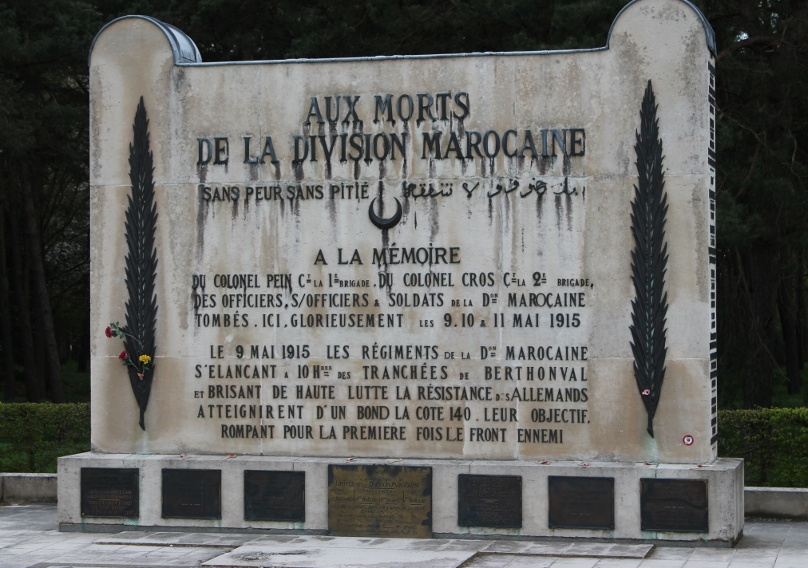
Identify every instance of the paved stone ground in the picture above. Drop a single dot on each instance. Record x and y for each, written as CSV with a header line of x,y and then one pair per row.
x,y
29,538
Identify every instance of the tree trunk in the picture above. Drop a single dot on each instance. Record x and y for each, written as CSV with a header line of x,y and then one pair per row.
x,y
84,348
5,318
786,306
802,321
41,290
40,351
760,267
32,391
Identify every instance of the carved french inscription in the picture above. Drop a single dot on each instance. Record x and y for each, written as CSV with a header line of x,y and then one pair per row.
x,y
410,257
678,505
192,493
275,496
489,501
376,500
110,492
581,502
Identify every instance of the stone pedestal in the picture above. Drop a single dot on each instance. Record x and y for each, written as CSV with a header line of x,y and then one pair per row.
x,y
724,487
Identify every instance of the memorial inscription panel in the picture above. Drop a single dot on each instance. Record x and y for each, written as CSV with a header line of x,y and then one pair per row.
x,y
421,257
489,501
580,502
376,500
110,492
677,505
275,496
192,493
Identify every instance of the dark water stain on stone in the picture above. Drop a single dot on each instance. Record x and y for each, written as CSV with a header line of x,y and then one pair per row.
x,y
405,165
506,209
234,211
568,199
406,205
384,267
295,207
201,222
545,164
567,165
461,134
202,172
282,204
434,219
328,173
277,168
331,205
298,169
490,211
559,212
382,169
539,209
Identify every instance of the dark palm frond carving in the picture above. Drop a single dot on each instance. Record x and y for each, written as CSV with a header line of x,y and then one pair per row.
x,y
141,262
649,260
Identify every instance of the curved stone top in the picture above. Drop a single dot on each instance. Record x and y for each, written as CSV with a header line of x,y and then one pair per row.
x,y
183,47
186,52
708,29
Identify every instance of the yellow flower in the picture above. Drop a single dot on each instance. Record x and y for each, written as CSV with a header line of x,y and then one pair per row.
x,y
145,359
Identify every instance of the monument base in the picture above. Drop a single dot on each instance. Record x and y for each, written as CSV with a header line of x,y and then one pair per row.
x,y
603,501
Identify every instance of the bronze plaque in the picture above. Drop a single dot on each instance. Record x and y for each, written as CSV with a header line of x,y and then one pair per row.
x,y
379,500
676,505
489,501
109,492
192,493
581,502
274,496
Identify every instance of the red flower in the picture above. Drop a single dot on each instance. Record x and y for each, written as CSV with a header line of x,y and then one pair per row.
x,y
108,331
123,356
140,376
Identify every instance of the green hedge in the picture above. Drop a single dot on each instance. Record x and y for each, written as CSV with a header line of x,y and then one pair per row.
x,y
32,436
773,441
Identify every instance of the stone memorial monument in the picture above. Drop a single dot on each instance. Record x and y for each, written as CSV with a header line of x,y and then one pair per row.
x,y
406,296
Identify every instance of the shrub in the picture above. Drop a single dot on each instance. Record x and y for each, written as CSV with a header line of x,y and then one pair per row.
x,y
32,436
773,441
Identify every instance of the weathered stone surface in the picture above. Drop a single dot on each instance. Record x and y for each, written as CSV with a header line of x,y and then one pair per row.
x,y
515,228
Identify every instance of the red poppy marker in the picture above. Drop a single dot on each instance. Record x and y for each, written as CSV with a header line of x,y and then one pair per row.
x,y
688,440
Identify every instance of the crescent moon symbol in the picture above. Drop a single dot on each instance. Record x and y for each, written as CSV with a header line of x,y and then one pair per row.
x,y
384,224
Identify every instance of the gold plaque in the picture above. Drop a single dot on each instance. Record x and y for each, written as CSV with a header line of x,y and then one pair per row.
x,y
379,500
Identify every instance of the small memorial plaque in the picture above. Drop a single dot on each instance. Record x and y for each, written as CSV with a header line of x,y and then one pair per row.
x,y
377,500
676,505
489,501
581,502
109,492
275,496
192,493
